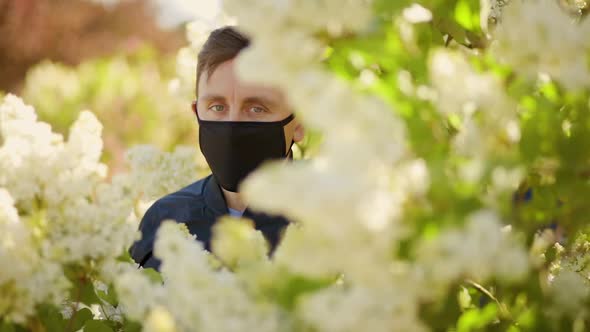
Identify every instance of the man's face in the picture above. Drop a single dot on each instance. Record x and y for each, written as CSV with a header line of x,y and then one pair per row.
x,y
223,97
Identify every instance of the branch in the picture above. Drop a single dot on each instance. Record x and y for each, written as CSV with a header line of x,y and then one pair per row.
x,y
489,294
75,304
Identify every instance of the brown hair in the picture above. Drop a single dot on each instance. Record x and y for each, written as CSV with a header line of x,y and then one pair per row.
x,y
223,44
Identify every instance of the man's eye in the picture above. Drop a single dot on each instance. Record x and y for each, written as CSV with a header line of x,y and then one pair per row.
x,y
255,109
216,108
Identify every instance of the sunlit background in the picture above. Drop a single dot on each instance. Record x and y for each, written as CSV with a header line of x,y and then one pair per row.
x,y
117,58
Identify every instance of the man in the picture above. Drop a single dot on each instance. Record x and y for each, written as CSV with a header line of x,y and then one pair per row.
x,y
241,125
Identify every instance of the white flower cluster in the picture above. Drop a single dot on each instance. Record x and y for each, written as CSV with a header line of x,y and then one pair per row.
x,y
349,196
483,250
60,188
83,216
196,296
495,9
70,214
154,173
236,244
569,278
570,291
27,279
548,41
460,89
485,117
159,320
44,77
360,309
26,144
462,92
361,140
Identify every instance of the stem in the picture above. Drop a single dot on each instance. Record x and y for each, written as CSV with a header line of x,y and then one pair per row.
x,y
487,293
36,326
103,311
449,40
75,304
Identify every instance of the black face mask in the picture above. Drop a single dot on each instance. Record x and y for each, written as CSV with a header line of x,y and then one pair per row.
x,y
233,149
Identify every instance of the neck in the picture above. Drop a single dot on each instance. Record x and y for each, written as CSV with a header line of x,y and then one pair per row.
x,y
234,200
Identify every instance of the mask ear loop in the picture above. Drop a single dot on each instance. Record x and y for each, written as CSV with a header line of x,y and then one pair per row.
x,y
285,122
290,153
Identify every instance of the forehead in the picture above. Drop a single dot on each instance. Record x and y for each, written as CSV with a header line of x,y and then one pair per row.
x,y
224,81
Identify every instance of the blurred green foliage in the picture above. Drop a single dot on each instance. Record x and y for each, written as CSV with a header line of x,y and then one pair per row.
x,y
133,96
554,148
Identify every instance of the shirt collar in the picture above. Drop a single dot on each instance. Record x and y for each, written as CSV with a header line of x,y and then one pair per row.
x,y
216,202
214,197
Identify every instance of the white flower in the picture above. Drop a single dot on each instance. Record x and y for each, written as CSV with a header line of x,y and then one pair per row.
x,y
324,248
25,145
195,296
339,309
505,182
480,251
236,242
416,14
8,213
154,173
345,197
159,320
77,169
569,292
538,36
137,294
485,115
493,9
84,216
26,278
52,79
461,90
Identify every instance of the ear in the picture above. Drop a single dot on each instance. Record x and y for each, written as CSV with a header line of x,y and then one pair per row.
x,y
194,106
298,133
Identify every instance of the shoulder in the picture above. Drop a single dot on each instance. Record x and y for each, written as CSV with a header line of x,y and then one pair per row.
x,y
193,191
180,206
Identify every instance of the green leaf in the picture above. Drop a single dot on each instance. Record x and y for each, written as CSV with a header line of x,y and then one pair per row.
x,y
464,298
109,296
6,327
526,319
10,327
87,293
125,257
467,14
443,313
154,275
80,318
131,326
96,326
51,318
287,291
475,319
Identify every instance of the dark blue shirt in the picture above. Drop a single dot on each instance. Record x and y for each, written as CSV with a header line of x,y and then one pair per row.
x,y
198,206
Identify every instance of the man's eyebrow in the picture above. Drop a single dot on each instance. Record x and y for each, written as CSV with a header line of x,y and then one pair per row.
x,y
212,97
260,100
